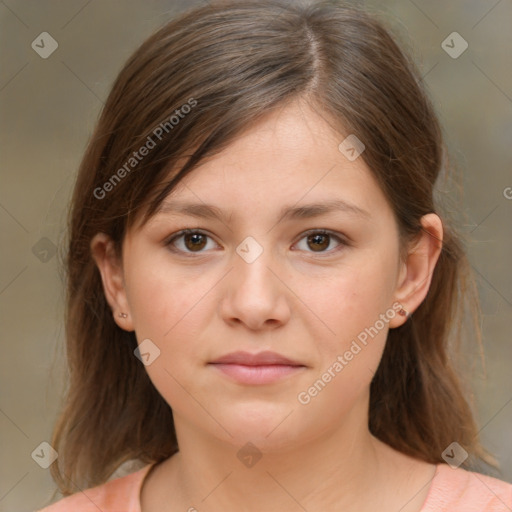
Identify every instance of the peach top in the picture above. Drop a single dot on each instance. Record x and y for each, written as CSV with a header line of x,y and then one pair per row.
x,y
451,490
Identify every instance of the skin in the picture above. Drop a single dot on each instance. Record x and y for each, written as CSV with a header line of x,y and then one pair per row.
x,y
305,300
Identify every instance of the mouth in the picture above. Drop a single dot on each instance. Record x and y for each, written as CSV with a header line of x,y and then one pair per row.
x,y
262,368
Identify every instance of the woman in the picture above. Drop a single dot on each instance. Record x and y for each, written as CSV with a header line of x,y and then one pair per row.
x,y
261,287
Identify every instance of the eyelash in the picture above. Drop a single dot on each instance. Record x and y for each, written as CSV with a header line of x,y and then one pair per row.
x,y
169,241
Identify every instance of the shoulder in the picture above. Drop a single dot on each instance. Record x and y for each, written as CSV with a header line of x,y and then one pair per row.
x,y
118,494
461,490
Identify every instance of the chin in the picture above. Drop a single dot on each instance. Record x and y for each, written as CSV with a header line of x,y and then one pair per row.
x,y
267,426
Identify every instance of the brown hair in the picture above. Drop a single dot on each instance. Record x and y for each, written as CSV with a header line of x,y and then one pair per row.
x,y
232,62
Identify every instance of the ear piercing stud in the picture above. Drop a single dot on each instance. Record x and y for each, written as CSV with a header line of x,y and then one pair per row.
x,y
404,312
123,315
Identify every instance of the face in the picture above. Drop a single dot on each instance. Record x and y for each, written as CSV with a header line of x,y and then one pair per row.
x,y
315,286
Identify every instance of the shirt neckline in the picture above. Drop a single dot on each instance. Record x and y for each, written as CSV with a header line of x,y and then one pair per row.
x,y
432,483
144,473
146,470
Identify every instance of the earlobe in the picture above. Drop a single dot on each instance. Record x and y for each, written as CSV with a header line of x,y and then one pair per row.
x,y
110,268
416,273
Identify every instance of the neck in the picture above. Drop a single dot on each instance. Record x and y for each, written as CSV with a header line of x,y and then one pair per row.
x,y
339,469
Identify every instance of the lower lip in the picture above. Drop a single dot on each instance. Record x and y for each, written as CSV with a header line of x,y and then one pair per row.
x,y
263,374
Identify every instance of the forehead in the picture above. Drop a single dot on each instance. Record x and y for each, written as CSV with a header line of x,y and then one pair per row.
x,y
283,165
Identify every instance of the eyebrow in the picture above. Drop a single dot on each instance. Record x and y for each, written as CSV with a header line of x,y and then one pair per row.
x,y
207,211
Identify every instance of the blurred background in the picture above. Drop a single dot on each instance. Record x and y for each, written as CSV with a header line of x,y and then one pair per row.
x,y
51,93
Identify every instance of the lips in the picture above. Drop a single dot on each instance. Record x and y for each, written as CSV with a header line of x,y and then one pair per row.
x,y
261,359
253,369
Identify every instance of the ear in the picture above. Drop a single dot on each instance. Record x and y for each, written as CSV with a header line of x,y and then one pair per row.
x,y
415,273
110,267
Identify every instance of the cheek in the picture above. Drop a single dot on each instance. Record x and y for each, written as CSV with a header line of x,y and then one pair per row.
x,y
349,299
354,306
161,295
172,307
157,303
167,309
349,356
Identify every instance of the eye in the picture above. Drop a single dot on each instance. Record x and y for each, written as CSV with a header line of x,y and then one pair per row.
x,y
320,239
193,241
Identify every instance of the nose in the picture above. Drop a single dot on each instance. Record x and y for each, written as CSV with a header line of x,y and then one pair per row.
x,y
255,294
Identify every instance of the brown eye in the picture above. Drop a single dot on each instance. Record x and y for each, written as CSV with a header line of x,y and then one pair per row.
x,y
188,242
194,241
319,241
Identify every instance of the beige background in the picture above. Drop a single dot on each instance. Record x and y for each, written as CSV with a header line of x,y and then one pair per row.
x,y
49,107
